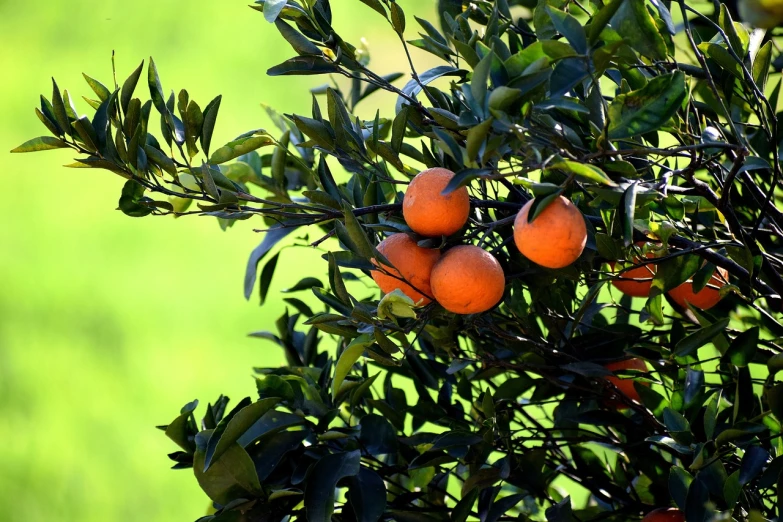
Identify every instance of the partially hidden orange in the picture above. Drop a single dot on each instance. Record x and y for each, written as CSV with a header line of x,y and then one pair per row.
x,y
625,386
555,238
636,282
428,211
467,280
412,268
705,298
665,515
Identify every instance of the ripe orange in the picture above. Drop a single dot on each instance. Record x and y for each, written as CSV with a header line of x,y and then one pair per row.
x,y
430,213
467,280
665,515
556,237
636,282
412,268
704,299
625,385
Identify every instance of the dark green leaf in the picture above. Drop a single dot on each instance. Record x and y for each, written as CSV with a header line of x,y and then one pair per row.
x,y
700,337
266,277
131,198
271,238
679,482
322,480
569,27
210,117
743,348
129,86
300,44
367,496
304,65
397,18
156,91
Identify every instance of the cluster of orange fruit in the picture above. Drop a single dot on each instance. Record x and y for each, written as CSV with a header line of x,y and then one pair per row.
x,y
467,279
637,282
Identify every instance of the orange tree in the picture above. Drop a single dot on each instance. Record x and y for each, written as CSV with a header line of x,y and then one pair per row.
x,y
641,137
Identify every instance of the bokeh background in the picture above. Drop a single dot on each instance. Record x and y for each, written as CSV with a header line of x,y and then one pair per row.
x,y
109,324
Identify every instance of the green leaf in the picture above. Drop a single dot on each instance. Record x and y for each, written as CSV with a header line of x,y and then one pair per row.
x,y
160,159
156,90
322,480
304,65
367,495
129,86
539,204
357,235
476,137
674,271
236,148
761,65
636,25
743,348
732,489
41,143
679,482
478,83
178,429
271,237
413,87
101,90
583,170
700,337
267,273
300,44
601,19
131,198
232,477
348,358
648,108
210,117
397,18
628,213
375,4
231,428
569,27
711,416
58,107
398,128
273,8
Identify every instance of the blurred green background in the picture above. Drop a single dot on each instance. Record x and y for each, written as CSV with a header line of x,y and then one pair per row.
x,y
109,324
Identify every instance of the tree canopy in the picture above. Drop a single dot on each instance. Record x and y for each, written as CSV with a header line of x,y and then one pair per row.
x,y
569,400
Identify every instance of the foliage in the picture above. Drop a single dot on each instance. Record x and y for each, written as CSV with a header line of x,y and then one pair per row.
x,y
657,119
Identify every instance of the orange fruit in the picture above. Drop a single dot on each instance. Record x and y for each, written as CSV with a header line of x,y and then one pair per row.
x,y
707,297
467,280
665,515
625,386
636,282
556,237
429,212
412,268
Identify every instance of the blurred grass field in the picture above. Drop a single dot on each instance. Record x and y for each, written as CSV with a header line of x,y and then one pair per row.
x,y
109,324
